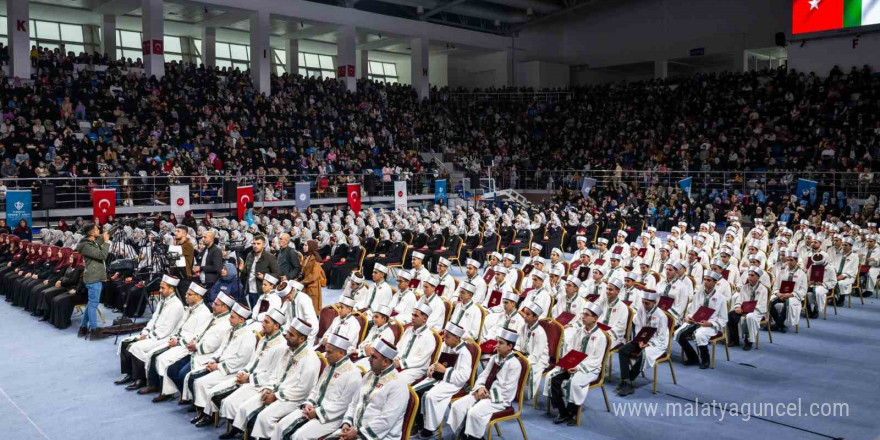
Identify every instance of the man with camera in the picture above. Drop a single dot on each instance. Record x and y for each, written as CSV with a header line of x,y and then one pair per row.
x,y
94,248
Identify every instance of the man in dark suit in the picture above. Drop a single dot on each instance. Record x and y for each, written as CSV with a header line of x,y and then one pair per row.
x,y
210,263
288,259
258,263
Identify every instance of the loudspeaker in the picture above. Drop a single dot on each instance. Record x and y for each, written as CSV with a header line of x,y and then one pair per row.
x,y
48,196
230,190
780,39
488,161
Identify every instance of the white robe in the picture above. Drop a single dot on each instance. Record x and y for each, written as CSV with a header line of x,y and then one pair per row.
x,y
271,351
795,303
402,305
347,327
291,381
539,297
194,322
592,343
496,321
437,319
301,307
377,411
415,352
234,354
469,317
818,292
379,294
436,401
658,343
718,319
207,343
475,415
337,386
752,320
533,345
162,324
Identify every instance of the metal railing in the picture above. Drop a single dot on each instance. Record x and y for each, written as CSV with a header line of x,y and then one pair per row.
x,y
74,193
517,96
858,185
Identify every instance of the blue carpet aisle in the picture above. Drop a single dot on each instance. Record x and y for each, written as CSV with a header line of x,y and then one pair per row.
x,y
55,386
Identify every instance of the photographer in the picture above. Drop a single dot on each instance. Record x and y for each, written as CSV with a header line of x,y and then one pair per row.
x,y
94,249
181,239
211,261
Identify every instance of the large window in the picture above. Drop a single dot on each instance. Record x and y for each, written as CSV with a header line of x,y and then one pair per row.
x,y
51,35
312,64
128,45
384,72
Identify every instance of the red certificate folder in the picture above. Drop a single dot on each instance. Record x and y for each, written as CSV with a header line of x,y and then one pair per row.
x,y
571,360
642,252
494,299
487,277
786,287
488,347
448,360
665,302
863,269
592,297
645,335
527,269
440,289
748,306
599,261
564,318
583,273
817,273
414,283
617,250
725,273
703,314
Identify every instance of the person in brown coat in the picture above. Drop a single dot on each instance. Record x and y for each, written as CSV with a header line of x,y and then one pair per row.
x,y
313,274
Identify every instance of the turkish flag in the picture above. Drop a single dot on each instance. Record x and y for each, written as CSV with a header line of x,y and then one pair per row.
x,y
103,204
244,196
354,197
816,15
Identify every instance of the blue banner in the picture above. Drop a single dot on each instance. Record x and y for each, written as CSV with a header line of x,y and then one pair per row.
x,y
18,206
685,185
440,192
303,196
803,185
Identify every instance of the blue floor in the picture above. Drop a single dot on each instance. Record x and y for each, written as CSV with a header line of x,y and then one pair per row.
x,y
55,386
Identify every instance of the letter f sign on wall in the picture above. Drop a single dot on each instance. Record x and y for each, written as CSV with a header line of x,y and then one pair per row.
x,y
21,25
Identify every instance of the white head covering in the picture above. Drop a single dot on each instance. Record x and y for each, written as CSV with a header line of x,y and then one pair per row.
x,y
170,280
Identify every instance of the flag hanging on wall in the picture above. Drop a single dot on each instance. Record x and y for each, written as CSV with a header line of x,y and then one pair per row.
x,y
354,197
104,204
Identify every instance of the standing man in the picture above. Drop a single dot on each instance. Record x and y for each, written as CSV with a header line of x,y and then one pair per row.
x,y
181,238
288,259
94,250
211,263
259,262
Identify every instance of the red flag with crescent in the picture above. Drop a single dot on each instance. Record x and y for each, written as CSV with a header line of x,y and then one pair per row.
x,y
354,197
103,204
244,196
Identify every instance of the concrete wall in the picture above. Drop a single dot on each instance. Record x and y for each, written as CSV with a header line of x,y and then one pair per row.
x,y
479,70
540,75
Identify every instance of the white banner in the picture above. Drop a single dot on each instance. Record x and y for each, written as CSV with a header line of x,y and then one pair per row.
x,y
400,196
179,200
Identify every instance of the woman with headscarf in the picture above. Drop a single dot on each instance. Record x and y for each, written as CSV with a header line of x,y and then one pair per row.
x,y
313,274
341,269
190,220
228,284
23,231
14,280
71,292
325,245
338,252
208,221
38,302
25,288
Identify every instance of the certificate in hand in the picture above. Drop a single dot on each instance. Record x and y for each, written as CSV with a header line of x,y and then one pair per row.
x,y
494,299
571,360
645,334
817,273
448,360
564,318
786,287
748,306
703,314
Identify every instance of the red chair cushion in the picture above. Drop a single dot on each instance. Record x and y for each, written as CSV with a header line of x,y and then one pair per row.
x,y
509,411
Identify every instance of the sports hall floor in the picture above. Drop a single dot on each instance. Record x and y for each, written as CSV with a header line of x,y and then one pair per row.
x,y
55,386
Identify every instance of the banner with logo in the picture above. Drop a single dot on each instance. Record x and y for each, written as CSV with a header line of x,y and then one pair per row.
x,y
103,204
244,196
440,192
588,185
354,197
685,185
400,195
303,196
179,200
19,206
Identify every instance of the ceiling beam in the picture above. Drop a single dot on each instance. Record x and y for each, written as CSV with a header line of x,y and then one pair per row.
x,y
117,7
381,44
313,31
562,12
441,8
227,19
